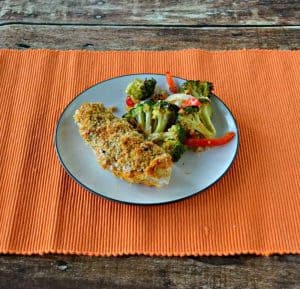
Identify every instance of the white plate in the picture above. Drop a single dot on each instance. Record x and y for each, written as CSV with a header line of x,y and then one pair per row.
x,y
193,173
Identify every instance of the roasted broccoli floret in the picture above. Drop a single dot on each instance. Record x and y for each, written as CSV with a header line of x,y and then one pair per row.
x,y
197,120
140,89
206,113
152,117
199,89
174,148
157,121
171,140
164,115
191,109
136,117
176,131
148,111
141,116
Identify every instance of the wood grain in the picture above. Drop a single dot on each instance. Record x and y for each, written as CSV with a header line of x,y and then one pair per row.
x,y
145,272
224,12
145,38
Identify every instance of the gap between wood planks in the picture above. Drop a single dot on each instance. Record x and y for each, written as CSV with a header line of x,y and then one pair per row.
x,y
219,26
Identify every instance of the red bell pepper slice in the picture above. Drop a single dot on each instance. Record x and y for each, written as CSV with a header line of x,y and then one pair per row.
x,y
171,83
129,101
205,142
192,101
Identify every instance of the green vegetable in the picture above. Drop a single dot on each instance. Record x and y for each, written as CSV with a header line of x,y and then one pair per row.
x,y
157,121
199,89
140,89
164,115
206,112
140,116
171,141
174,148
148,111
152,117
198,120
176,131
191,109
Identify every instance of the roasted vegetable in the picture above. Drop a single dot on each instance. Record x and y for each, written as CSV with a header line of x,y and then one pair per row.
x,y
171,141
174,148
157,121
208,142
164,115
148,111
152,117
206,112
197,120
140,89
171,83
159,94
202,90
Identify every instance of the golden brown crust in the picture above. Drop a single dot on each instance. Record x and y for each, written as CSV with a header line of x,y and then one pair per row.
x,y
120,148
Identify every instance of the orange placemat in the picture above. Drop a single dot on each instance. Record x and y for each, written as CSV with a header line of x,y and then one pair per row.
x,y
253,209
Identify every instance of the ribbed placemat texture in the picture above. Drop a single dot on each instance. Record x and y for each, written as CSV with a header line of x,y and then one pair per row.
x,y
254,208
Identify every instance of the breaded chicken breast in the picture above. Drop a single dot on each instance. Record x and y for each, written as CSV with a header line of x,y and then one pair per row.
x,y
121,149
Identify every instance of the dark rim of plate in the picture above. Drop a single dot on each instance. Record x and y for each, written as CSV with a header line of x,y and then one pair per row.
x,y
135,203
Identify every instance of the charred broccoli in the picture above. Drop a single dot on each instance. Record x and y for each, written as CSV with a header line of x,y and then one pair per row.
x,y
164,115
152,117
148,111
198,120
140,89
199,89
157,121
174,148
174,132
137,117
171,140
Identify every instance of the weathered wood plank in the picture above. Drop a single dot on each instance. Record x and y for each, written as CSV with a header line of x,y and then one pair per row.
x,y
223,12
145,272
128,38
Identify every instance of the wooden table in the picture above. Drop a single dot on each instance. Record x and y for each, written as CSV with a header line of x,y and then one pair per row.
x,y
133,25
